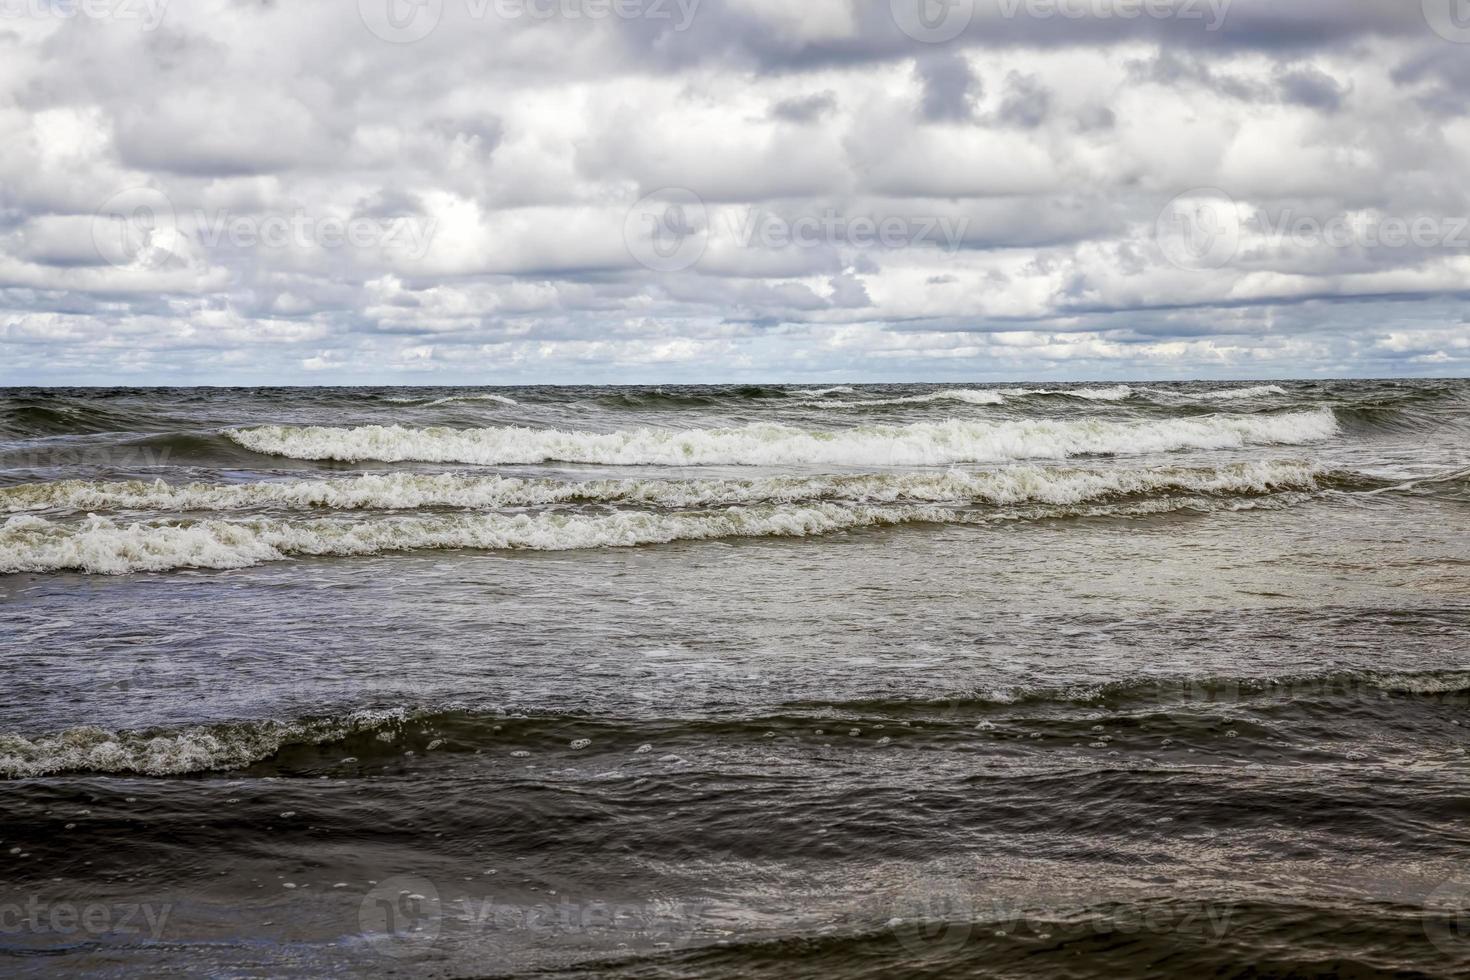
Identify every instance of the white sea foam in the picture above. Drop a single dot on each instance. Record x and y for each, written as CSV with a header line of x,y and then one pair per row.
x,y
1231,394
1215,395
966,395
104,546
822,392
501,399
450,399
975,396
925,443
173,752
1016,484
1116,393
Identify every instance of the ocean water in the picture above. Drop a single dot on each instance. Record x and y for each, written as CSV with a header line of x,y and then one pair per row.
x,y
857,681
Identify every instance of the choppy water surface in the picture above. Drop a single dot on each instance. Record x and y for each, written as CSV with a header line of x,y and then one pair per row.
x,y
860,681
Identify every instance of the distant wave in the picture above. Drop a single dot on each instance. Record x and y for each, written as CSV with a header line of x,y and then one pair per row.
x,y
450,399
1116,393
406,491
958,395
1230,394
821,392
972,396
1216,395
936,443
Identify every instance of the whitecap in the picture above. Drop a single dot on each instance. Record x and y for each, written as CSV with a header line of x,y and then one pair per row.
x,y
918,444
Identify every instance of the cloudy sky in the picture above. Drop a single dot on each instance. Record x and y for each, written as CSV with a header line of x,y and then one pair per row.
x,y
522,191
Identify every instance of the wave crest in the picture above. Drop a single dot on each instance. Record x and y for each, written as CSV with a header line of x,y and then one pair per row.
x,y
408,491
927,443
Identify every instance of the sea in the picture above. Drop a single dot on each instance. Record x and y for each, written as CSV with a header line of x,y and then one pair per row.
x,y
775,681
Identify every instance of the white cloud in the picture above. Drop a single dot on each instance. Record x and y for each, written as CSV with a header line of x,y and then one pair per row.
x,y
498,159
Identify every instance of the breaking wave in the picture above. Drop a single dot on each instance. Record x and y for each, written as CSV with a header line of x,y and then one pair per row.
x,y
368,735
174,752
406,491
930,443
953,395
822,392
1215,395
451,399
1116,393
102,546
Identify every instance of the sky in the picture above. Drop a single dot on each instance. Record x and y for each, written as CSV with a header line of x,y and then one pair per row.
x,y
450,192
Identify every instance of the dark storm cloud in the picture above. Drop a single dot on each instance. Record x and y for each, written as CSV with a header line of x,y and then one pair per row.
x,y
805,109
950,87
1026,102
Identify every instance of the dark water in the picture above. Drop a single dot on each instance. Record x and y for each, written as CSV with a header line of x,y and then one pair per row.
x,y
689,682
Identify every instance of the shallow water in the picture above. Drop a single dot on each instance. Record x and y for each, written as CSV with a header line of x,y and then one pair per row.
x,y
867,681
